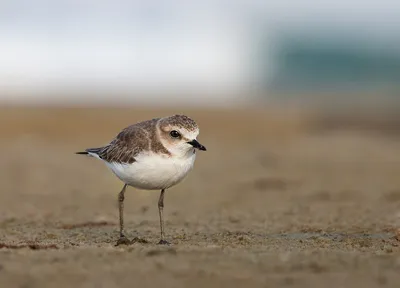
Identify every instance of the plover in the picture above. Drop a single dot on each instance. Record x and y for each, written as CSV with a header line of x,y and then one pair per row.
x,y
151,155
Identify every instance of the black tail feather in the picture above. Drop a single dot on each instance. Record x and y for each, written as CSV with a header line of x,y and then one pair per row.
x,y
91,151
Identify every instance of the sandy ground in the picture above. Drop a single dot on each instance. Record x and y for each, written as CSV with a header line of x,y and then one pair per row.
x,y
278,200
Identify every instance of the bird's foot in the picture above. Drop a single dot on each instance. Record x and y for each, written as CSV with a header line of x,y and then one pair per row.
x,y
123,241
163,242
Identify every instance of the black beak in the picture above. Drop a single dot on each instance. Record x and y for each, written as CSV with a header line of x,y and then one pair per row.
x,y
197,145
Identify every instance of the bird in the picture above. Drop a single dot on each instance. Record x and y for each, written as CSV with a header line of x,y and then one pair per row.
x,y
154,154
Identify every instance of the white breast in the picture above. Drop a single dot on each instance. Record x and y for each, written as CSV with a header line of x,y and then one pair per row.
x,y
152,171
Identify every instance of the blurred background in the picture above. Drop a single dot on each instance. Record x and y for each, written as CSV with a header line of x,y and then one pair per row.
x,y
229,52
297,104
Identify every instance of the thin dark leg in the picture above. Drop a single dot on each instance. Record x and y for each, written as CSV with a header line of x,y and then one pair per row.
x,y
160,211
121,196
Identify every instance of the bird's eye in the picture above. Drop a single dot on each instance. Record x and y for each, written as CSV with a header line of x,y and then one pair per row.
x,y
174,134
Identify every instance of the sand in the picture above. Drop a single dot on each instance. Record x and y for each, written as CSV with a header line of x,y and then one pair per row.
x,y
278,200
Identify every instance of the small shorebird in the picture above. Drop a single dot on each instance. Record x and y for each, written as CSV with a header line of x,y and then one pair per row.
x,y
151,155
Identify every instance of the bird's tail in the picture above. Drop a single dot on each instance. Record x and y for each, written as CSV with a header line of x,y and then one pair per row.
x,y
94,152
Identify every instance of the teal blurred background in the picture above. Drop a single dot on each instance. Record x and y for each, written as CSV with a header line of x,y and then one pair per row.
x,y
199,52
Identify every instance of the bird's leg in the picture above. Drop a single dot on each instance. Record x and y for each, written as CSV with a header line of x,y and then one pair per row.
x,y
121,196
160,211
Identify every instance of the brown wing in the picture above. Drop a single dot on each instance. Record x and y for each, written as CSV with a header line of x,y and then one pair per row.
x,y
123,149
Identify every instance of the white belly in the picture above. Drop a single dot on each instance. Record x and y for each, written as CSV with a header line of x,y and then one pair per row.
x,y
153,172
